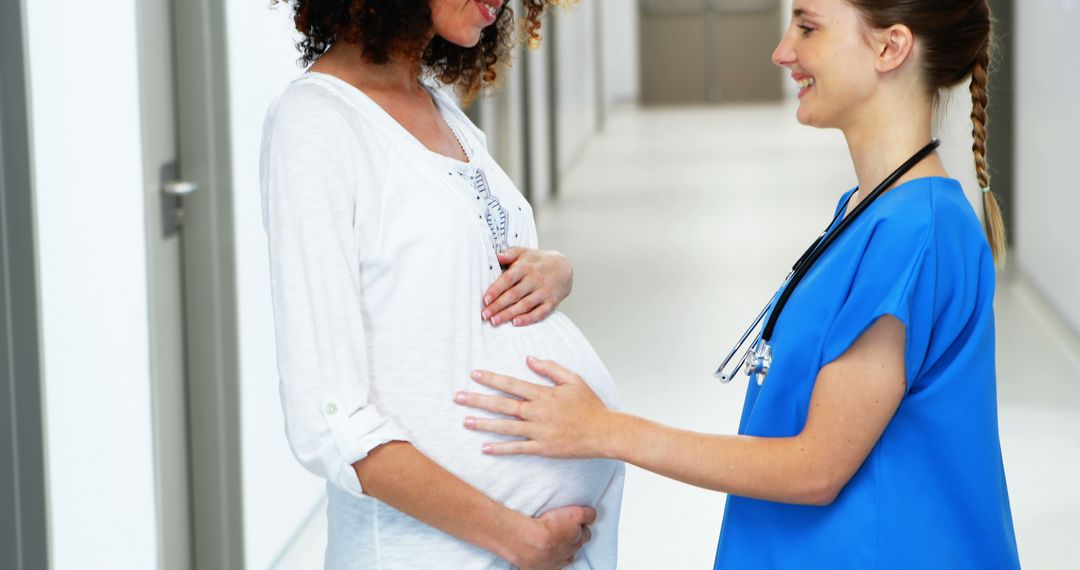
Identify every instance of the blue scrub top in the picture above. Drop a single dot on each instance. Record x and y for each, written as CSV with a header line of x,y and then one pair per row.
x,y
932,492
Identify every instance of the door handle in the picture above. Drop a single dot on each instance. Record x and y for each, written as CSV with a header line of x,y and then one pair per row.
x,y
172,200
179,188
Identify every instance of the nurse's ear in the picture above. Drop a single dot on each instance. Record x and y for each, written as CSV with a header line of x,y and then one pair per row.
x,y
894,47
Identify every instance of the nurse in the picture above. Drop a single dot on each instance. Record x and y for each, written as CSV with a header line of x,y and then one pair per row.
x,y
873,442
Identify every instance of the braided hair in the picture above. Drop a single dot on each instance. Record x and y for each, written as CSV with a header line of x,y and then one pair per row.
x,y
957,39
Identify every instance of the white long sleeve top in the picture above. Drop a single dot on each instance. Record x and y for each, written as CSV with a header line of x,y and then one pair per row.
x,y
380,252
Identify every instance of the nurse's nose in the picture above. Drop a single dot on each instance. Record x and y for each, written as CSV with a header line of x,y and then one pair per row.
x,y
784,54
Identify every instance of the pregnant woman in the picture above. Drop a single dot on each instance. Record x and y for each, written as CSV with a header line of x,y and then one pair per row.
x,y
389,229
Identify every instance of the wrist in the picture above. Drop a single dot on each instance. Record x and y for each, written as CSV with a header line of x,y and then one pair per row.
x,y
512,533
610,437
567,271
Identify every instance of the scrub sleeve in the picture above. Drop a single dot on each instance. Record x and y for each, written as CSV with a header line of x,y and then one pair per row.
x,y
892,278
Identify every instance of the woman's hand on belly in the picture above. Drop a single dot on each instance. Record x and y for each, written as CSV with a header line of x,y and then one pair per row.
x,y
554,538
533,285
565,421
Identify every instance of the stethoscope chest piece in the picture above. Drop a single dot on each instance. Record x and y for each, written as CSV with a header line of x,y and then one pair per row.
x,y
758,360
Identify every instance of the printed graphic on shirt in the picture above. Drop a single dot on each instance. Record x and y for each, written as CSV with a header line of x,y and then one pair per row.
x,y
497,218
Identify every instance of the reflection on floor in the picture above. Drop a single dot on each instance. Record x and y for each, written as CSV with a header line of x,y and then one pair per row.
x,y
680,224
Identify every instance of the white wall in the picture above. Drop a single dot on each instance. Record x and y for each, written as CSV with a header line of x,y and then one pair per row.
x,y
621,41
576,82
586,32
953,127
1047,123
91,233
278,493
505,112
540,145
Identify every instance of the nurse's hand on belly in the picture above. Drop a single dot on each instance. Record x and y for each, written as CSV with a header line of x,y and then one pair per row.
x,y
533,285
567,421
854,399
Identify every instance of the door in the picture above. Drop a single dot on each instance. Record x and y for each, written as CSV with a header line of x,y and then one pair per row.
x,y
166,295
709,51
24,543
742,35
673,50
193,321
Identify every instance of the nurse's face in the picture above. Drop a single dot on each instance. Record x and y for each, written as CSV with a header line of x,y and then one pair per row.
x,y
460,22
828,50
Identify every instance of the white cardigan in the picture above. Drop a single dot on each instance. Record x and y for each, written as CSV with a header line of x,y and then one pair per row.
x,y
380,251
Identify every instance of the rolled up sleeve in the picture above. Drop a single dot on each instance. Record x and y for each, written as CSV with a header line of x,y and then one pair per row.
x,y
312,171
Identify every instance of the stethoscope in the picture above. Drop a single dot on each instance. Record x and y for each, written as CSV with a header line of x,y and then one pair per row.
x,y
759,357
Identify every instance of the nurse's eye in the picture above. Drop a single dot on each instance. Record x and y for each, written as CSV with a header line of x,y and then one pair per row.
x,y
806,30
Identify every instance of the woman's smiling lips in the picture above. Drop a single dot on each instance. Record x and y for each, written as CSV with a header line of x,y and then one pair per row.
x,y
489,9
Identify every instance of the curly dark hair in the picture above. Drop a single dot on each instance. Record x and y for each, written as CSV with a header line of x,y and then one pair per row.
x,y
386,28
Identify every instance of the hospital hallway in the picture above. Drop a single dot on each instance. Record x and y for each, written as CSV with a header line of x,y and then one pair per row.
x,y
144,344
680,223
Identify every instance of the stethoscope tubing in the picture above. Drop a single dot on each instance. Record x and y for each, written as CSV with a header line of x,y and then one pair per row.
x,y
725,378
811,255
830,237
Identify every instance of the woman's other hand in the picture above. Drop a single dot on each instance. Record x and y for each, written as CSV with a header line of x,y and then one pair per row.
x,y
553,539
568,420
533,285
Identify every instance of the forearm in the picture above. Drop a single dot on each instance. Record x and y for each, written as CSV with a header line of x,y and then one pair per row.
x,y
776,469
401,476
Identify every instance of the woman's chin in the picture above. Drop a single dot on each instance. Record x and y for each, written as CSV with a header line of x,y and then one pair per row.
x,y
466,39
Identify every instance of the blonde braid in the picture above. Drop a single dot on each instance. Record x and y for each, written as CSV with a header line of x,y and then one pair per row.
x,y
992,220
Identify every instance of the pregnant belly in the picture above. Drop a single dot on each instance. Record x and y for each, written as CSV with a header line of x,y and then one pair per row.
x,y
528,484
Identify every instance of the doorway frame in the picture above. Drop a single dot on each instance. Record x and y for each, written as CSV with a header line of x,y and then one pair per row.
x,y
209,274
24,537
1001,152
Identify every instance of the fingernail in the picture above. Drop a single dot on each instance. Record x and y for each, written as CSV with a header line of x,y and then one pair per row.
x,y
487,301
496,321
530,359
470,422
476,375
516,322
460,397
486,315
487,449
